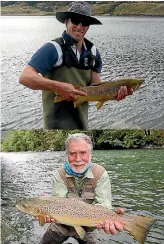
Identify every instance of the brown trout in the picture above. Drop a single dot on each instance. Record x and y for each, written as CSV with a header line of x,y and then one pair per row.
x,y
103,91
76,213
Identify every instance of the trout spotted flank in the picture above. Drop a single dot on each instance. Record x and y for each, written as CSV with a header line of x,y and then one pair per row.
x,y
76,213
103,91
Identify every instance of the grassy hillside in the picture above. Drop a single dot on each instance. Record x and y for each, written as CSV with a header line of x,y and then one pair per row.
x,y
99,8
140,8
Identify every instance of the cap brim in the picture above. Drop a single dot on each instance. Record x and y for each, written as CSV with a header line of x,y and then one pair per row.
x,y
62,16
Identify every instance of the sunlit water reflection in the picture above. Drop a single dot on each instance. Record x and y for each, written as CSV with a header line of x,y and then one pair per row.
x,y
130,47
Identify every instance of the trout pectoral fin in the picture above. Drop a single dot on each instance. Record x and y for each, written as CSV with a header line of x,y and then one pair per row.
x,y
41,218
99,104
80,231
58,99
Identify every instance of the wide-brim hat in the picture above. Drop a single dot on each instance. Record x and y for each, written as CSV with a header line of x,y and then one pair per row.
x,y
78,10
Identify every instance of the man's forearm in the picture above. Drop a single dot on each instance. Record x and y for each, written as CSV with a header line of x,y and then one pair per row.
x,y
95,78
35,81
40,83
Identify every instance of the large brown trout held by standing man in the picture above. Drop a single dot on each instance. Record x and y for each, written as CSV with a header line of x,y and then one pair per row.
x,y
103,91
74,212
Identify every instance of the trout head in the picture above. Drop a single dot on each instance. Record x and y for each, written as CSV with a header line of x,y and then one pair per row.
x,y
28,206
135,83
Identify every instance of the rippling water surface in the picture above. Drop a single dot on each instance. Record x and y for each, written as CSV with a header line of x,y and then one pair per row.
x,y
137,179
130,47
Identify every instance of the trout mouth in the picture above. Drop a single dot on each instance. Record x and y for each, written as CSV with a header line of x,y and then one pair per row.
x,y
140,86
22,207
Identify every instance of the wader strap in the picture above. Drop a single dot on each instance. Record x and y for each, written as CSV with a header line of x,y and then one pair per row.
x,y
66,50
97,171
68,181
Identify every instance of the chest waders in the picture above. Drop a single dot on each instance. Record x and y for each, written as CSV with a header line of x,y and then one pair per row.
x,y
63,115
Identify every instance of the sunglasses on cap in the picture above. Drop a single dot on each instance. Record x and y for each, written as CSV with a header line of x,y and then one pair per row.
x,y
78,21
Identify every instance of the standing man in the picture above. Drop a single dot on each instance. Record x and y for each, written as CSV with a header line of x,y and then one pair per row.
x,y
61,63
81,178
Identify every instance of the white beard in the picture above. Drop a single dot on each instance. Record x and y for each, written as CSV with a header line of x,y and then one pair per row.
x,y
78,171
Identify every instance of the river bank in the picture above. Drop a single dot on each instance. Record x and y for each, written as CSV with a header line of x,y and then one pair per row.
x,y
99,8
41,140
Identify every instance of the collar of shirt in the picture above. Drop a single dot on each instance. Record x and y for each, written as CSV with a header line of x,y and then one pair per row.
x,y
67,38
88,174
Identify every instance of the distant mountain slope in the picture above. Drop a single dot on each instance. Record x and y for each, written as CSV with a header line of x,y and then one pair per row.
x,y
98,7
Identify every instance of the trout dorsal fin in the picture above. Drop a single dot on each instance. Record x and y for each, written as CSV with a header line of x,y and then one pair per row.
x,y
99,83
80,231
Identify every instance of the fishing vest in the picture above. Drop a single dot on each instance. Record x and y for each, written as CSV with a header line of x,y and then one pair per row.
x,y
86,190
63,115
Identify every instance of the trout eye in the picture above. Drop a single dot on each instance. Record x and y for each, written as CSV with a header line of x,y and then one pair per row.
x,y
24,205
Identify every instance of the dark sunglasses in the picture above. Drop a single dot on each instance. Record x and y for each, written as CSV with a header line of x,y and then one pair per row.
x,y
78,21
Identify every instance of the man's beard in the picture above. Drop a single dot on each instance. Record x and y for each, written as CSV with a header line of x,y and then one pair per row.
x,y
80,170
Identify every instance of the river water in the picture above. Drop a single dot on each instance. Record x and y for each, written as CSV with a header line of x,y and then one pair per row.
x,y
130,47
137,178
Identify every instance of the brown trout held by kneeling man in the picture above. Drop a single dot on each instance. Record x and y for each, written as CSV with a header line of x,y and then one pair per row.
x,y
103,91
74,212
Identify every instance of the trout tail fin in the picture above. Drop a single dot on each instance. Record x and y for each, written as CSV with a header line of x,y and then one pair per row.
x,y
140,227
